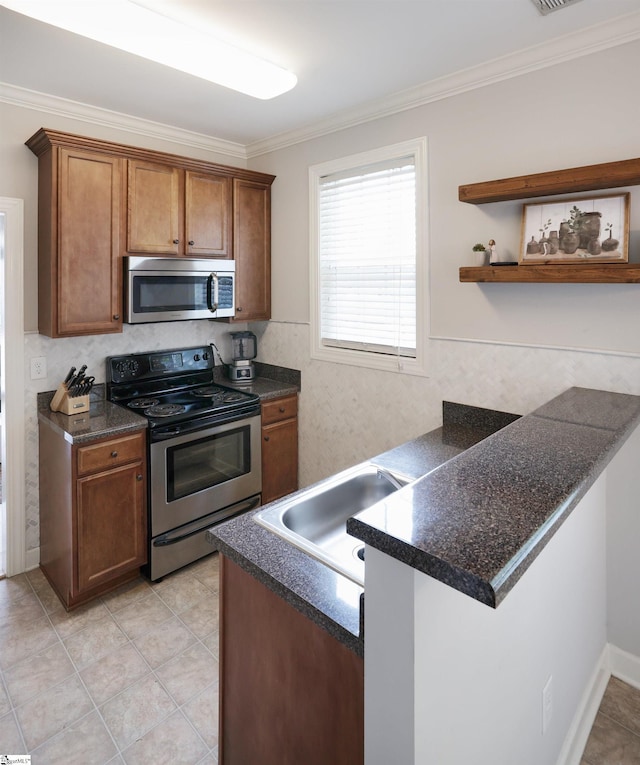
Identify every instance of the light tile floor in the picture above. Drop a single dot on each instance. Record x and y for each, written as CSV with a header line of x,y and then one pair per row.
x,y
129,678
615,735
133,677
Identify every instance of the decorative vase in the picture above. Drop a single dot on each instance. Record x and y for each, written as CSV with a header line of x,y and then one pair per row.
x,y
610,244
563,231
533,248
589,228
479,257
570,242
593,248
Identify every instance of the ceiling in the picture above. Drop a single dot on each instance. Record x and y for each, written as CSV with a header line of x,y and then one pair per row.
x,y
350,57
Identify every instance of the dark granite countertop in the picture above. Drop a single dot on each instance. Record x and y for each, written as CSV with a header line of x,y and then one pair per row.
x,y
107,419
328,598
103,419
270,381
479,521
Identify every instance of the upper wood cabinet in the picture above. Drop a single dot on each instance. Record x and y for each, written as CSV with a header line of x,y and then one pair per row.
x,y
252,249
178,212
79,235
99,200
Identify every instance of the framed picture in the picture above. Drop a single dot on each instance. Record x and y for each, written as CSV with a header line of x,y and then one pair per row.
x,y
581,230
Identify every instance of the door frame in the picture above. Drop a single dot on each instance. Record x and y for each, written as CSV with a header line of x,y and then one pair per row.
x,y
13,378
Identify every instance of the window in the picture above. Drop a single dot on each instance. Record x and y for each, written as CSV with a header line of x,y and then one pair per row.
x,y
367,276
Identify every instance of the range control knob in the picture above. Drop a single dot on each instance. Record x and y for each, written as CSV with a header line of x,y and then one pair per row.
x,y
205,356
196,357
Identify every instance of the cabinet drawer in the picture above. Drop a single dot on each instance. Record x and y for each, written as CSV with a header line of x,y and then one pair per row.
x,y
107,454
279,409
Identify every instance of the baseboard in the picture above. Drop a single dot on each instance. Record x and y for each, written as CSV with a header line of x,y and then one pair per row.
x,y
625,666
578,733
613,661
32,559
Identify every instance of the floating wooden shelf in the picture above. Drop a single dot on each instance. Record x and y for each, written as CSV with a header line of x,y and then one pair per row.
x,y
609,175
593,273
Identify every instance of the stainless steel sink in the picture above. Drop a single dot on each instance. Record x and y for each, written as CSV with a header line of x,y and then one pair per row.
x,y
315,520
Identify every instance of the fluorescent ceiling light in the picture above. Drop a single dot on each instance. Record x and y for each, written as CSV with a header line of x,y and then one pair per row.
x,y
130,27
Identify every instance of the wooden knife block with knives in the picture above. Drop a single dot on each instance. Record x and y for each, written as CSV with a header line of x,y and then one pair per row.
x,y
72,395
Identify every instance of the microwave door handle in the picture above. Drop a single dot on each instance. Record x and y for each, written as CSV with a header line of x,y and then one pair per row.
x,y
212,294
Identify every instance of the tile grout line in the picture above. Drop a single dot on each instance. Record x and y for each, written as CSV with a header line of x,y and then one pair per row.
x,y
211,751
615,720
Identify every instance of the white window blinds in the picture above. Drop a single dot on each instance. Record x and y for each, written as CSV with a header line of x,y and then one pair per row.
x,y
367,258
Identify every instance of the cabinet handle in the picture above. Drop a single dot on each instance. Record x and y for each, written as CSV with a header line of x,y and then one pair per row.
x,y
138,477
191,242
266,438
116,316
176,241
239,310
114,454
281,409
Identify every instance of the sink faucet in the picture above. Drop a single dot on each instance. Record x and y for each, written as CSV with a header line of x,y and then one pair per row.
x,y
382,473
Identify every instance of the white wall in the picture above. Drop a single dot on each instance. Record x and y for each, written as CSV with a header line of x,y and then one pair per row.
x,y
623,561
511,347
470,678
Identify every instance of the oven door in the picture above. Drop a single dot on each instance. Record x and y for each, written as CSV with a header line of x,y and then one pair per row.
x,y
194,475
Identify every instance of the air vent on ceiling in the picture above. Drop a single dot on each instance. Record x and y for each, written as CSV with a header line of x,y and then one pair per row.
x,y
547,6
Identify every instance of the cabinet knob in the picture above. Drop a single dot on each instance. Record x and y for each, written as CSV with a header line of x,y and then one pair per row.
x,y
281,409
138,477
266,438
116,316
114,454
238,310
176,241
191,242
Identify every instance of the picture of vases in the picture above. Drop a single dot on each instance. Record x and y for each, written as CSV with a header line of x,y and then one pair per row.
x,y
584,229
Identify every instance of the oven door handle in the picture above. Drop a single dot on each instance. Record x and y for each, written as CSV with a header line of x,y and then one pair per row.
x,y
178,535
212,292
167,434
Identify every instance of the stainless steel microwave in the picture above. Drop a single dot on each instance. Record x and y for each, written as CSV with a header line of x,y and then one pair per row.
x,y
176,289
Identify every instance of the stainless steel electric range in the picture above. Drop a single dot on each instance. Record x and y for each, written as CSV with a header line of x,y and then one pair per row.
x,y
203,448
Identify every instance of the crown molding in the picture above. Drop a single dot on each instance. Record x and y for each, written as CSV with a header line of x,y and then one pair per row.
x,y
609,34
63,107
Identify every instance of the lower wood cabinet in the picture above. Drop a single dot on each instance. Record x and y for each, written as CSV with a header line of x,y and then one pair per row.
x,y
279,447
93,513
290,693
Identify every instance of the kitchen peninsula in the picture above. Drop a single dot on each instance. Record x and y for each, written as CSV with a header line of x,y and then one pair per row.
x,y
526,513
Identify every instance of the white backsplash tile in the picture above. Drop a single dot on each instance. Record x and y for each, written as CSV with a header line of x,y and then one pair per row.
x,y
347,414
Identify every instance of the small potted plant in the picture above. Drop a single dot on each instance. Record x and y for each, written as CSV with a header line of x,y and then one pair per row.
x,y
479,254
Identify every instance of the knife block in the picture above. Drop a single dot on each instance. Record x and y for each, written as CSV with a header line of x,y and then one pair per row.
x,y
66,404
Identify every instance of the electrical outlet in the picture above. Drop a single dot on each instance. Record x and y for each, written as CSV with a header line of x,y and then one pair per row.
x,y
547,704
38,368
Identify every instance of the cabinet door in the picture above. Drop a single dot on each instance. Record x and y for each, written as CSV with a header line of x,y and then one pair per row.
x,y
84,280
207,215
153,208
279,460
252,249
110,525
299,690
